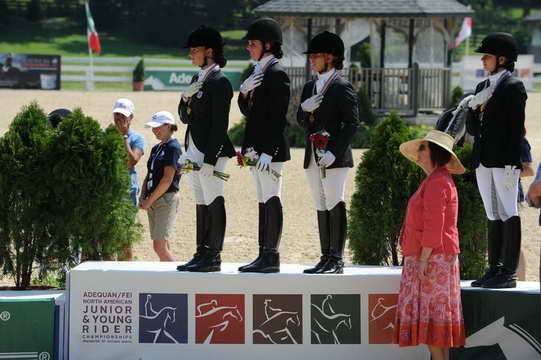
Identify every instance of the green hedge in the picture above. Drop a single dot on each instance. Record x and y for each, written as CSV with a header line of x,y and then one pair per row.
x,y
384,182
65,192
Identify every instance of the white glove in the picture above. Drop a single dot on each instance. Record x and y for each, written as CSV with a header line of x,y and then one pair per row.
x,y
510,176
206,170
480,98
192,90
327,159
251,83
312,103
182,158
264,162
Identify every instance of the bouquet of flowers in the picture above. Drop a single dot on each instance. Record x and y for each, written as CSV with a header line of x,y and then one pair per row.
x,y
320,140
250,158
189,166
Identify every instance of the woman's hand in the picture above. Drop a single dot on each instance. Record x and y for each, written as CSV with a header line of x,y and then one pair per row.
x,y
144,204
423,274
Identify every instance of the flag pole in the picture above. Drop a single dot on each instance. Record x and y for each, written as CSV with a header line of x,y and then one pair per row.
x,y
90,73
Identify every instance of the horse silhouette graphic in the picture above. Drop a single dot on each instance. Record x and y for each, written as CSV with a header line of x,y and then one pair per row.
x,y
326,322
219,317
278,324
381,318
158,322
379,310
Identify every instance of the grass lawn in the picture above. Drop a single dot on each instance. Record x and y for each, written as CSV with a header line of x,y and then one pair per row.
x,y
61,36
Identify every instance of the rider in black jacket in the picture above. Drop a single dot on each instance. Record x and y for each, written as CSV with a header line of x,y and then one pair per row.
x,y
263,100
205,108
329,104
496,121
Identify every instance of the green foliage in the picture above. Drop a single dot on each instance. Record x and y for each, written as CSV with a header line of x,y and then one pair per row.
x,y
139,71
456,95
385,180
236,133
365,55
472,220
66,192
366,112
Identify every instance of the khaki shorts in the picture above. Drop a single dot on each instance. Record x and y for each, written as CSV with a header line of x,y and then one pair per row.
x,y
162,215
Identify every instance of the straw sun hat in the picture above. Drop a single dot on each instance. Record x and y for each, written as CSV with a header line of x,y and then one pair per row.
x,y
409,149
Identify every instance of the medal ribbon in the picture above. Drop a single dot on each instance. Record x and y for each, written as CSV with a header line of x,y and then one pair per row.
x,y
324,89
270,63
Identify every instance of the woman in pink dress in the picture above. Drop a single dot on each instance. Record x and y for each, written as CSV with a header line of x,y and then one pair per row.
x,y
429,307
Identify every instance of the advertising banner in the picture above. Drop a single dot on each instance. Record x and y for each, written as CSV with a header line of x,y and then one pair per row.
x,y
180,79
143,311
29,71
27,329
501,324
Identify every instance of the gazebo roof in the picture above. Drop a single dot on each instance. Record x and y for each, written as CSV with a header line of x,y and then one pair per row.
x,y
534,18
363,8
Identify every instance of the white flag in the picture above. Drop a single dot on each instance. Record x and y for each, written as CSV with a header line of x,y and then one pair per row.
x,y
464,33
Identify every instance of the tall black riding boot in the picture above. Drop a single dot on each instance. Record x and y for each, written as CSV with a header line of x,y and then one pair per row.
x,y
211,260
260,236
270,258
494,240
338,230
201,213
324,241
507,276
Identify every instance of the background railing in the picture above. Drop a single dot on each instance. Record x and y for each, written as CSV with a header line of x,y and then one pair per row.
x,y
406,90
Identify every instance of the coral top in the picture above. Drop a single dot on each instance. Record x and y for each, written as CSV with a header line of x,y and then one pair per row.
x,y
431,216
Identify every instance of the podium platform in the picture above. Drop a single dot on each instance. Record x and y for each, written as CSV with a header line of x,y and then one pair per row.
x,y
148,310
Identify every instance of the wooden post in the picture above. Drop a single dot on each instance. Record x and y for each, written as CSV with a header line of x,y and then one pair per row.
x,y
411,39
382,64
308,72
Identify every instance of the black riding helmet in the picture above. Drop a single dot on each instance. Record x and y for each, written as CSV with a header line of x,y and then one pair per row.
x,y
326,43
264,30
499,44
55,117
205,36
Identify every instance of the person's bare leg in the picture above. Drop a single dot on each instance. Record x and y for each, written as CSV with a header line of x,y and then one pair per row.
x,y
161,247
521,271
436,352
445,353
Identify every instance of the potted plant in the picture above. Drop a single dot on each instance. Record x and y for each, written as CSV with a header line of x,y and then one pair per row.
x,y
139,76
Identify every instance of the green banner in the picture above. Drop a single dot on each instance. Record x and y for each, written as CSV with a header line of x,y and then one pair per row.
x,y
26,329
178,80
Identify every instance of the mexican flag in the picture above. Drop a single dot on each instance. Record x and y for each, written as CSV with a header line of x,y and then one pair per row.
x,y
92,34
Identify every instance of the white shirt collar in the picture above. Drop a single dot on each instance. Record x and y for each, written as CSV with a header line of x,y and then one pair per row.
x,y
263,62
204,72
325,76
495,78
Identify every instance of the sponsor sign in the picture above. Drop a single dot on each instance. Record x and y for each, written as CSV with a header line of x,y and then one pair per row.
x,y
381,318
277,319
29,71
219,319
27,328
501,324
335,319
180,79
138,310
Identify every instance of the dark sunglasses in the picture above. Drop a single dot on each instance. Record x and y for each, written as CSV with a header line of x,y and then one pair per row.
x,y
422,147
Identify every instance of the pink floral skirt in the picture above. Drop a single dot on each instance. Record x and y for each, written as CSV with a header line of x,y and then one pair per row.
x,y
430,311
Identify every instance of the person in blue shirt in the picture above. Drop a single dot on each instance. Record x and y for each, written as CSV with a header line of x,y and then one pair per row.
x,y
134,144
159,195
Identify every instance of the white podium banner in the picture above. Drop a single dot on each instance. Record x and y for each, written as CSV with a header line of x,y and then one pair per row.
x,y
144,311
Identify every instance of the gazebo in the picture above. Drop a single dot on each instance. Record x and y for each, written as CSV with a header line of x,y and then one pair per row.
x,y
409,41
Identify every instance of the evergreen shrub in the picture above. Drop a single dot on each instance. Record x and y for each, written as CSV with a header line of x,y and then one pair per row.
x,y
66,191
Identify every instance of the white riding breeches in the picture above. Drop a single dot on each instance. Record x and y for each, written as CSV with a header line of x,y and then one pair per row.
x,y
500,202
268,185
328,191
